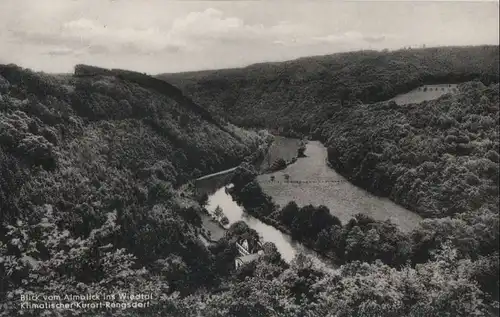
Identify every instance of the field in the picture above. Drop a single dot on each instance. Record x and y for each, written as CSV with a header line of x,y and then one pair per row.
x,y
311,181
428,92
285,148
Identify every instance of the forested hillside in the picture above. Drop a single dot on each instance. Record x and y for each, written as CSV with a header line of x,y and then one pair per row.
x,y
90,168
294,95
85,129
438,158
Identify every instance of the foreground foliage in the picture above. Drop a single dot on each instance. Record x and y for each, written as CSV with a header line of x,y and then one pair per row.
x,y
74,150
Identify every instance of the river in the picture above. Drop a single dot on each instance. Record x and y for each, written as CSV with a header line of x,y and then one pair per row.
x,y
285,245
309,181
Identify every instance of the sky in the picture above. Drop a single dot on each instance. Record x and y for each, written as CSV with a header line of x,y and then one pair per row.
x,y
162,36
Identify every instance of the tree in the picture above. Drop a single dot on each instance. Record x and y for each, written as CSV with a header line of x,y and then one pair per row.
x,y
324,241
354,240
38,151
242,176
321,218
41,257
240,230
203,200
289,213
271,254
224,220
218,212
279,164
301,150
344,94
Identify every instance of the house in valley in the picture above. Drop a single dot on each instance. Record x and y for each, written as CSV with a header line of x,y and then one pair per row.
x,y
242,260
248,252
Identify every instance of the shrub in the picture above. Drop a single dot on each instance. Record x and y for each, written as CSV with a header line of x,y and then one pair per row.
x,y
277,165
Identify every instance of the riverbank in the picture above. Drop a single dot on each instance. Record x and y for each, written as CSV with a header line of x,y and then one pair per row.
x,y
311,182
317,184
211,229
362,238
425,93
286,246
283,229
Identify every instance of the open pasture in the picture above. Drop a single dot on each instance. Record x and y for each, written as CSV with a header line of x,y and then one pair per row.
x,y
311,181
424,93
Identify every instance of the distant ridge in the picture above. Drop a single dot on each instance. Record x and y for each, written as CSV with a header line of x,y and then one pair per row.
x,y
295,94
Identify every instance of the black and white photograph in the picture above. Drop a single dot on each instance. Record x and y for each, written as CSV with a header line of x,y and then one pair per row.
x,y
263,158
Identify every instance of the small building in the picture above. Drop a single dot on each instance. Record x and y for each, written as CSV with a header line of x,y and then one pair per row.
x,y
242,260
248,252
247,247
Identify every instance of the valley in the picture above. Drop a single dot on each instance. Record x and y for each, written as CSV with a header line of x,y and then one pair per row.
x,y
406,136
394,201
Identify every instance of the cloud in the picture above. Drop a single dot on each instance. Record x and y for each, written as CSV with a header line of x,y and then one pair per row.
x,y
354,40
96,38
193,32
114,38
59,51
208,23
41,38
97,49
348,37
211,27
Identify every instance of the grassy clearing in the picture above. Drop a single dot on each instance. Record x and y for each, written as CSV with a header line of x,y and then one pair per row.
x,y
285,148
311,181
424,93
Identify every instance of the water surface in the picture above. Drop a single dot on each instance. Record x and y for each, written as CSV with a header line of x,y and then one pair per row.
x,y
285,245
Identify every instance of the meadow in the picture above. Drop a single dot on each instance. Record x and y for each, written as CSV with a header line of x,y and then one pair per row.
x,y
425,93
311,181
285,148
